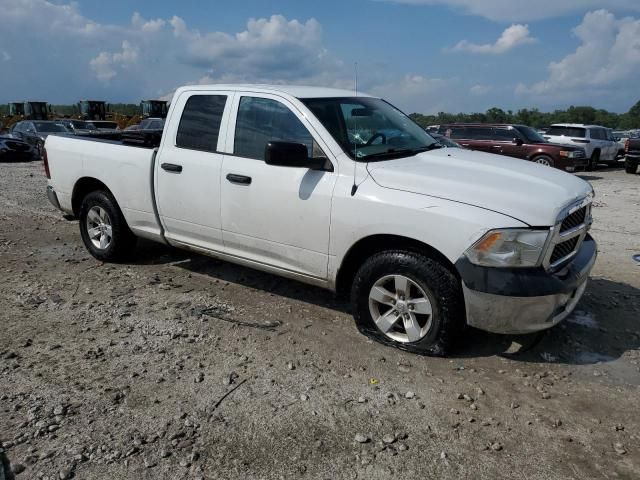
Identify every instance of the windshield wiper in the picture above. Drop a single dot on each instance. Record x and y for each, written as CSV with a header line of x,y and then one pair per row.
x,y
402,152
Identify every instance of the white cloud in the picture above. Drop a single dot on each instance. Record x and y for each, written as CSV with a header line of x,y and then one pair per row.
x,y
5,56
147,26
105,65
526,10
607,60
479,90
512,37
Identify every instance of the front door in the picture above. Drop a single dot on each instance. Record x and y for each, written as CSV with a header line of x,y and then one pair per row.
x,y
273,215
188,169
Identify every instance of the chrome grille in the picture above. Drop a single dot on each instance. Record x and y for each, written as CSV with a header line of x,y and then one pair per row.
x,y
564,249
574,220
568,234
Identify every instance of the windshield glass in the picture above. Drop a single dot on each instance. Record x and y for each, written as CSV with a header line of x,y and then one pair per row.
x,y
530,134
370,128
49,127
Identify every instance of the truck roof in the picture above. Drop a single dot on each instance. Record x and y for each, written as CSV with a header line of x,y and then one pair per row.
x,y
297,91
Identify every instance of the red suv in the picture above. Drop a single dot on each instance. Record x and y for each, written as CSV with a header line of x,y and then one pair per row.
x,y
518,141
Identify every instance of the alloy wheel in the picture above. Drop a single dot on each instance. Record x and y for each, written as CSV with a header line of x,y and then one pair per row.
x,y
400,308
99,227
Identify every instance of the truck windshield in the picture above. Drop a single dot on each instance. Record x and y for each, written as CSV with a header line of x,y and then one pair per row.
x,y
370,129
49,127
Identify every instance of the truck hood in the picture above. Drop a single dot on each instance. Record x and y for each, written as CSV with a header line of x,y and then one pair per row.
x,y
531,193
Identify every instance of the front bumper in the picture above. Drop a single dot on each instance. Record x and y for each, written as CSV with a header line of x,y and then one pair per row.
x,y
515,301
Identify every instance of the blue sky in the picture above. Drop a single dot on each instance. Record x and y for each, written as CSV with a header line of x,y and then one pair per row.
x,y
422,55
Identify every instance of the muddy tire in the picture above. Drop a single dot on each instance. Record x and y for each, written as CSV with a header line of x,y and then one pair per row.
x,y
408,300
104,229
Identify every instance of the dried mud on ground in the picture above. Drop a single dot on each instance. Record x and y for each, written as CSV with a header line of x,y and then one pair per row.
x,y
177,366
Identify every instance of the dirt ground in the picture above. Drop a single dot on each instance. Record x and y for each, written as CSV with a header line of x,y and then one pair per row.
x,y
177,366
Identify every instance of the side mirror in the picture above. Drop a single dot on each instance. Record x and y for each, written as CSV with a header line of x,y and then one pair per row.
x,y
518,141
290,154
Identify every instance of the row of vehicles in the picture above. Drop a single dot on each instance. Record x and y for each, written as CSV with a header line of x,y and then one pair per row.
x,y
568,147
26,137
96,111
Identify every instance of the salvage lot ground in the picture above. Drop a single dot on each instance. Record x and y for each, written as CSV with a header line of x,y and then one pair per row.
x,y
178,366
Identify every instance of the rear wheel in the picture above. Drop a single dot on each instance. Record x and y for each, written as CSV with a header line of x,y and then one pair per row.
x,y
543,160
103,228
630,167
408,300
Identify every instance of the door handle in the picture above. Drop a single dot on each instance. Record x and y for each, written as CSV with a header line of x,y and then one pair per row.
x,y
239,179
171,167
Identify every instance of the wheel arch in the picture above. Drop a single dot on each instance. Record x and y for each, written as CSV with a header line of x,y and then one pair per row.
x,y
84,186
372,244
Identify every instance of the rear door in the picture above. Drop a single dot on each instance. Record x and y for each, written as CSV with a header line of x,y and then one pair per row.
x,y
188,169
481,138
274,215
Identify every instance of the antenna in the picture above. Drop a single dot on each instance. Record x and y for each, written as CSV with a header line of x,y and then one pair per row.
x,y
354,187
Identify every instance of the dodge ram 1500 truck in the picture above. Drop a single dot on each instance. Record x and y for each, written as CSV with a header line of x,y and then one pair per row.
x,y
343,191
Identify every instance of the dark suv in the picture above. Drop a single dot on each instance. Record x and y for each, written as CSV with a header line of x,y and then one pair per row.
x,y
517,141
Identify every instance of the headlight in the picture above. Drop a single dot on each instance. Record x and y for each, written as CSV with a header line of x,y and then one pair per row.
x,y
509,248
570,153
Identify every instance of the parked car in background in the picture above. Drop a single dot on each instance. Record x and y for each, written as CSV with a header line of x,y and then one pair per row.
x,y
518,141
598,142
105,124
422,238
445,141
13,149
35,132
148,124
77,126
632,155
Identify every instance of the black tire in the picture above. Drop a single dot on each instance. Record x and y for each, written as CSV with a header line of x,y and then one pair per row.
x,y
540,159
438,282
593,161
123,241
630,167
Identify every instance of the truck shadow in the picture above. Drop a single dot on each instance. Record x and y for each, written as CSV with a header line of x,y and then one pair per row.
x,y
151,253
603,327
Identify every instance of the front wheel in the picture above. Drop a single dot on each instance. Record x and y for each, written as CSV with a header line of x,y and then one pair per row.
x,y
408,300
543,160
104,229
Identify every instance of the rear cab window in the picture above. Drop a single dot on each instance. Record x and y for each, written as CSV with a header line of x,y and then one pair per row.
x,y
199,126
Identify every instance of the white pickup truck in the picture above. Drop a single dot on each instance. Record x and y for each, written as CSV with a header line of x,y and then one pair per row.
x,y
344,191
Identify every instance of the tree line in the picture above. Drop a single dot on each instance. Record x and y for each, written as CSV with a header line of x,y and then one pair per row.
x,y
537,119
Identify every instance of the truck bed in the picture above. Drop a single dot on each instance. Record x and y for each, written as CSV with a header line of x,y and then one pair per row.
x,y
125,169
137,138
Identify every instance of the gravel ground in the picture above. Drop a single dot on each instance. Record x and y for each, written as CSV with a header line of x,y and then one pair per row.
x,y
179,366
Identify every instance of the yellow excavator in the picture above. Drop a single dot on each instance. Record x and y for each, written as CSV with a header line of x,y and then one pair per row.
x,y
25,111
